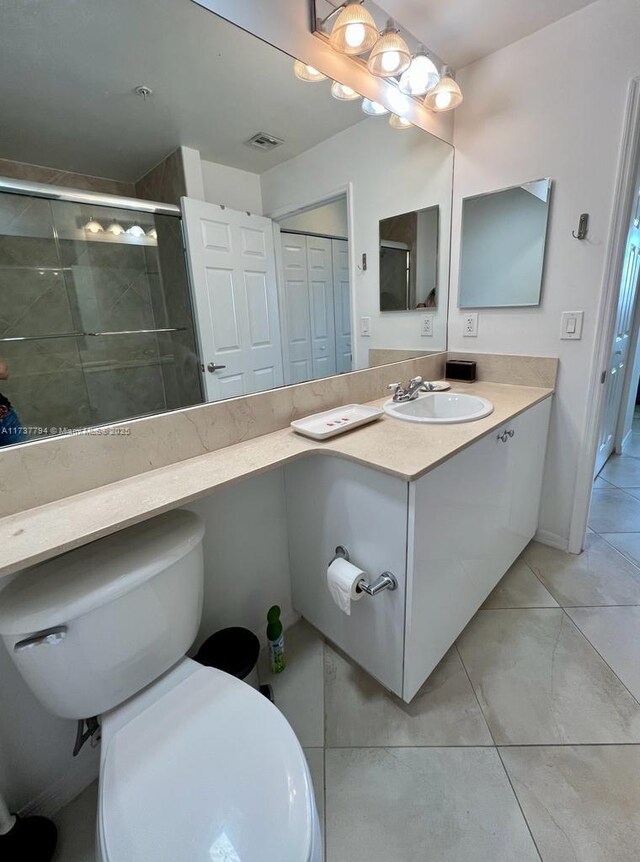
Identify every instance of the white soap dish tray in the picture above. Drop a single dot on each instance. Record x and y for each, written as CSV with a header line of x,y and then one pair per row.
x,y
321,426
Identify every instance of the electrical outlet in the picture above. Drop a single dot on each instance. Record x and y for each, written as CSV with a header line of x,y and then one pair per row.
x,y
427,326
470,324
365,327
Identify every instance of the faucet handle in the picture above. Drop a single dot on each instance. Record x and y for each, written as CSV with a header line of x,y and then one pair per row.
x,y
416,381
394,386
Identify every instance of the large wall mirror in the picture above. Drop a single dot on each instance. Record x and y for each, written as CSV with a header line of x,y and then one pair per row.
x,y
233,258
504,234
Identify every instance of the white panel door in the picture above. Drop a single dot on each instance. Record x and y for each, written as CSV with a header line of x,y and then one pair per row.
x,y
619,353
233,272
296,312
342,305
323,328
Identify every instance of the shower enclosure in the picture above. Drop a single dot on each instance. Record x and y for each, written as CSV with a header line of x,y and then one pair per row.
x,y
96,323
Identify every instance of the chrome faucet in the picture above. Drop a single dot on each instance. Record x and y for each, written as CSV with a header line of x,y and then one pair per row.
x,y
415,387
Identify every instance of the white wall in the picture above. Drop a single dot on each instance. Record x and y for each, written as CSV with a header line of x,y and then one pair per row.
x,y
332,219
231,187
246,571
551,105
390,172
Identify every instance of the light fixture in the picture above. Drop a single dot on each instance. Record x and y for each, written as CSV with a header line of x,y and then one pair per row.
x,y
445,96
398,122
344,93
307,73
354,31
421,76
136,230
153,233
373,109
93,226
390,55
115,228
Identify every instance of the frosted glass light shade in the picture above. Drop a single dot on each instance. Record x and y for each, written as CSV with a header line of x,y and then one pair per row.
x,y
373,109
390,55
398,122
344,93
421,76
153,233
354,31
93,226
307,73
445,96
136,230
115,228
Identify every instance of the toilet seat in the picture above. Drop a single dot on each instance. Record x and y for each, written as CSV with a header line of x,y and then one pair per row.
x,y
209,772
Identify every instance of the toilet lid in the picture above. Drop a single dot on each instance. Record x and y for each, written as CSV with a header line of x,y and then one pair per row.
x,y
211,772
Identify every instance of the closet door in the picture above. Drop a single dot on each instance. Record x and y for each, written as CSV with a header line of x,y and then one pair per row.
x,y
296,312
323,331
342,305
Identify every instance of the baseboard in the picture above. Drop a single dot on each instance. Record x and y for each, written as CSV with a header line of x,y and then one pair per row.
x,y
81,773
546,537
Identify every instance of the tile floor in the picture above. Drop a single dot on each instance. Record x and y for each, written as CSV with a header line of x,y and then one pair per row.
x,y
523,745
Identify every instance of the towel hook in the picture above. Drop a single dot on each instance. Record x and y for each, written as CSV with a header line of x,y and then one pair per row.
x,y
583,227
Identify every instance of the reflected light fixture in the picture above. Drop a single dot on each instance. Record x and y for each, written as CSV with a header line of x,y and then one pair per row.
x,y
153,233
445,96
421,76
307,73
373,109
398,122
136,230
344,93
93,226
390,55
115,228
354,31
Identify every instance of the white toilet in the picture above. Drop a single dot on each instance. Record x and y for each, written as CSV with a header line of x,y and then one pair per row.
x,y
195,766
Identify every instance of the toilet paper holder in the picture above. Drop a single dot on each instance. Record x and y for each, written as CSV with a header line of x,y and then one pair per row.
x,y
385,581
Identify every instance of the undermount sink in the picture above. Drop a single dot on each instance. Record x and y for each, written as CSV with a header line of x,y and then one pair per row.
x,y
440,408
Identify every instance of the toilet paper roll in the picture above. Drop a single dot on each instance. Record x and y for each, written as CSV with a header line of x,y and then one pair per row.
x,y
342,580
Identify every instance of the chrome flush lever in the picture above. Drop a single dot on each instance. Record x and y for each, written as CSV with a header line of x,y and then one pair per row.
x,y
51,637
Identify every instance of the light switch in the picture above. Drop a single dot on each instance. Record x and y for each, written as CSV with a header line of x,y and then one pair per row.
x,y
572,325
365,327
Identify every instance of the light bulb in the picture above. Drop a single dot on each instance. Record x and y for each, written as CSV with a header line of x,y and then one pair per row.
x,y
355,34
135,230
390,55
373,109
421,76
443,100
115,228
343,93
390,61
153,233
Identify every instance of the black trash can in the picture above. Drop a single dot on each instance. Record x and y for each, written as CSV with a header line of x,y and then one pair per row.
x,y
234,650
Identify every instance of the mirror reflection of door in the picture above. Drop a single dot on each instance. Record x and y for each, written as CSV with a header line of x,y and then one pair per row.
x,y
409,260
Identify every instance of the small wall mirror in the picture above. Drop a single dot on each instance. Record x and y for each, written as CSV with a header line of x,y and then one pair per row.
x,y
409,260
503,245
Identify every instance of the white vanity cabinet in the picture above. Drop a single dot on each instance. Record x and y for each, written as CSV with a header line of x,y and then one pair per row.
x,y
448,538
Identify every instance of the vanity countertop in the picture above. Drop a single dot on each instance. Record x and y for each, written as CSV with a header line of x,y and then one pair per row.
x,y
404,449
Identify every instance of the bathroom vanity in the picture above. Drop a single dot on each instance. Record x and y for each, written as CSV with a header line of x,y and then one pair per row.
x,y
448,537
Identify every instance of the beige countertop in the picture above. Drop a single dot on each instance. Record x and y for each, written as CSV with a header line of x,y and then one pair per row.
x,y
403,449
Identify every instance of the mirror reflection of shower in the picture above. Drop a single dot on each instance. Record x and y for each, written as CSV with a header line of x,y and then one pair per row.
x,y
95,315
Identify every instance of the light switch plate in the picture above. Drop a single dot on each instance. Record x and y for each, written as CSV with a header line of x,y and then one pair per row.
x,y
365,327
470,324
571,329
427,326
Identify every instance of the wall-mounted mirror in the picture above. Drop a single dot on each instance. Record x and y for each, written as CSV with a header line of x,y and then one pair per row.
x,y
276,188
503,244
409,246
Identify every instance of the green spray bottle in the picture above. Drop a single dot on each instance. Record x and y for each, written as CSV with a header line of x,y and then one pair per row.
x,y
275,637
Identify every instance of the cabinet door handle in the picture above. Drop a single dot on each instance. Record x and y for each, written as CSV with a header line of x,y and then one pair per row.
x,y
511,432
503,437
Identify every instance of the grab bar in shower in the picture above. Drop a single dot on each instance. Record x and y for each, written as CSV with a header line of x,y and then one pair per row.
x,y
93,334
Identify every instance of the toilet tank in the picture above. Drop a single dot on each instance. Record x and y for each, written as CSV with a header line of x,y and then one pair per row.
x,y
91,628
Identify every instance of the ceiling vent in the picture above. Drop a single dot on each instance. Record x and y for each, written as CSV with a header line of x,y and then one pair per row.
x,y
263,141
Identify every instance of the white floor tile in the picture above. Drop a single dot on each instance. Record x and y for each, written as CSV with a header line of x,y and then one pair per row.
x,y
627,543
623,471
582,804
540,682
520,588
614,511
422,805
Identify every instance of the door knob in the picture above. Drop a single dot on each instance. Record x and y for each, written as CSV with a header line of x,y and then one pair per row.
x,y
213,367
